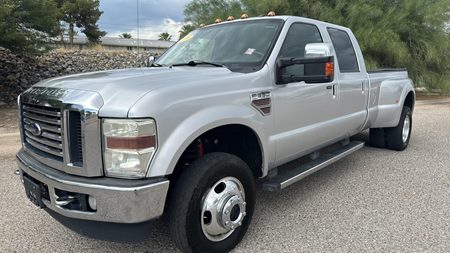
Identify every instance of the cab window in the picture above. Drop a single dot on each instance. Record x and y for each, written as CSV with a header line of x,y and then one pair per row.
x,y
345,52
298,36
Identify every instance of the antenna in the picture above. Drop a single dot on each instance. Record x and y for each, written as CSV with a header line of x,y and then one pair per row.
x,y
138,40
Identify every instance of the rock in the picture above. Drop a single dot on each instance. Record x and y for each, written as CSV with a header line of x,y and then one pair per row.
x,y
24,82
421,89
18,73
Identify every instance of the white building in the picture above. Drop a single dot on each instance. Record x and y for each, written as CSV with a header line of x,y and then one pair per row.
x,y
119,44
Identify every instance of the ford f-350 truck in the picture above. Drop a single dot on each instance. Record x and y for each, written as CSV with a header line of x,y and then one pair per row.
x,y
189,136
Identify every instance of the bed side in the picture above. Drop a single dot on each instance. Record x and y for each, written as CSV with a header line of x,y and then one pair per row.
x,y
390,88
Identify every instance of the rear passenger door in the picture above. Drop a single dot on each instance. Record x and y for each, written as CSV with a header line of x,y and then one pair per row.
x,y
352,88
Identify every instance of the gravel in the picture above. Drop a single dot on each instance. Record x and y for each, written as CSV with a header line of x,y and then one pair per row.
x,y
372,201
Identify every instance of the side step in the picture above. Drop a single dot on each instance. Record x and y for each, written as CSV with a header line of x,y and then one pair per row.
x,y
289,176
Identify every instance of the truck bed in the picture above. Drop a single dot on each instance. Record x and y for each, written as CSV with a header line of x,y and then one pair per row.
x,y
379,75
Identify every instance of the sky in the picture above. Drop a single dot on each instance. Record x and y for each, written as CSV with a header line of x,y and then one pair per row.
x,y
155,17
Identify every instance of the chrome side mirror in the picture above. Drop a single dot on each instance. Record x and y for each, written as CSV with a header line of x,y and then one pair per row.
x,y
317,50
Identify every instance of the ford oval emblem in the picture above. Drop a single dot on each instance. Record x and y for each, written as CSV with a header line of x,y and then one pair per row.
x,y
34,128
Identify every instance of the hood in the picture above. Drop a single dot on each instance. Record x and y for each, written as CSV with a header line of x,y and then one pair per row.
x,y
120,89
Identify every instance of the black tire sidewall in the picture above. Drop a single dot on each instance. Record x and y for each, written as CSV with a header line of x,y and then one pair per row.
x,y
395,135
377,138
409,115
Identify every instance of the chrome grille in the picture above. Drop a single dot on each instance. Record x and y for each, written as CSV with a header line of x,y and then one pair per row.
x,y
42,130
69,138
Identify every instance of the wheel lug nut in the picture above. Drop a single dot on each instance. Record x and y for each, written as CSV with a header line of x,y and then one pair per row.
x,y
244,213
227,222
226,212
240,223
245,203
232,227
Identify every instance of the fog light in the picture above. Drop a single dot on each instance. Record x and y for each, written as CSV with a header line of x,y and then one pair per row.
x,y
92,203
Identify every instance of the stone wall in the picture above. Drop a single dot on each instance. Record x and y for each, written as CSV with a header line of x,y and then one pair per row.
x,y
18,73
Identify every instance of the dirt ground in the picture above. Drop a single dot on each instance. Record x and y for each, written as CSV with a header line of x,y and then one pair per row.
x,y
8,120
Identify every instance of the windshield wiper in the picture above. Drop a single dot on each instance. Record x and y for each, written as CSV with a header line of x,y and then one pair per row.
x,y
194,63
156,65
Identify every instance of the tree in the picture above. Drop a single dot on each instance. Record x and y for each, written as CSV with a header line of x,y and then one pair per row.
x,y
401,33
27,25
125,36
206,11
186,29
83,14
165,36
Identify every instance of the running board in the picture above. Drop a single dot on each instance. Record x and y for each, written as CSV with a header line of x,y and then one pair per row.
x,y
287,177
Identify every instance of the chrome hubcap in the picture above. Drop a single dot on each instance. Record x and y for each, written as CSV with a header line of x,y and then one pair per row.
x,y
406,129
223,209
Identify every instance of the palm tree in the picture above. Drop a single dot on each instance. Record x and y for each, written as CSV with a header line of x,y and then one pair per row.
x,y
165,36
125,36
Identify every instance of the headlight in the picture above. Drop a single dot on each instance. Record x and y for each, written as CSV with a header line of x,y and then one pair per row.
x,y
128,147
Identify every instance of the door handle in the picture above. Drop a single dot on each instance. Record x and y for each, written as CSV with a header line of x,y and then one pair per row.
x,y
329,87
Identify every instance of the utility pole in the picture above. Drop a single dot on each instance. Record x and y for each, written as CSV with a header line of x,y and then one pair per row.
x,y
138,40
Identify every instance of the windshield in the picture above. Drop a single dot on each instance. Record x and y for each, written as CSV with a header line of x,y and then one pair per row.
x,y
240,46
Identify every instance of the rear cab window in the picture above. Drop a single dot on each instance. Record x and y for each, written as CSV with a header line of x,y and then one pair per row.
x,y
345,52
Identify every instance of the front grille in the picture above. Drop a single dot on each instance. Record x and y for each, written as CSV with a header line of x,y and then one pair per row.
x,y
42,130
60,132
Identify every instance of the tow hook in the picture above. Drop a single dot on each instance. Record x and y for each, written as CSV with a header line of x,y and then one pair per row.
x,y
64,200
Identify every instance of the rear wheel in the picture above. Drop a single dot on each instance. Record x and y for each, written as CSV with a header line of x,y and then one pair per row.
x,y
377,138
211,204
397,138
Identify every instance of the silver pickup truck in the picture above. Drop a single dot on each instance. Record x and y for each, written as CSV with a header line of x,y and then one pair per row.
x,y
268,100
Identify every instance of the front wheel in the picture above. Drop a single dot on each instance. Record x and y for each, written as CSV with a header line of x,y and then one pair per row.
x,y
211,204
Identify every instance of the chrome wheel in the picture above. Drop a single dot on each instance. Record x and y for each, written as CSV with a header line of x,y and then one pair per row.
x,y
223,209
406,129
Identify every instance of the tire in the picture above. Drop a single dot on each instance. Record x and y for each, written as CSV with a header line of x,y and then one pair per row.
x,y
186,211
395,135
377,138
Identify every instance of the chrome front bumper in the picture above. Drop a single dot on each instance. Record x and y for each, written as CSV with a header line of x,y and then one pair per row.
x,y
118,200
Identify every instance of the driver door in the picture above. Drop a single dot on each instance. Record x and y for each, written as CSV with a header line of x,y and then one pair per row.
x,y
303,112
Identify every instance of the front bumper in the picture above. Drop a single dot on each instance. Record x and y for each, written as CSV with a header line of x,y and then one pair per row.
x,y
118,200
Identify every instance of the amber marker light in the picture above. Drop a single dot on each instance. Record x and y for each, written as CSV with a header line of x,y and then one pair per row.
x,y
329,69
140,142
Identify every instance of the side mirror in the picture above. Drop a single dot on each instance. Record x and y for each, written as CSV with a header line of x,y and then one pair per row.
x,y
316,67
309,70
150,60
